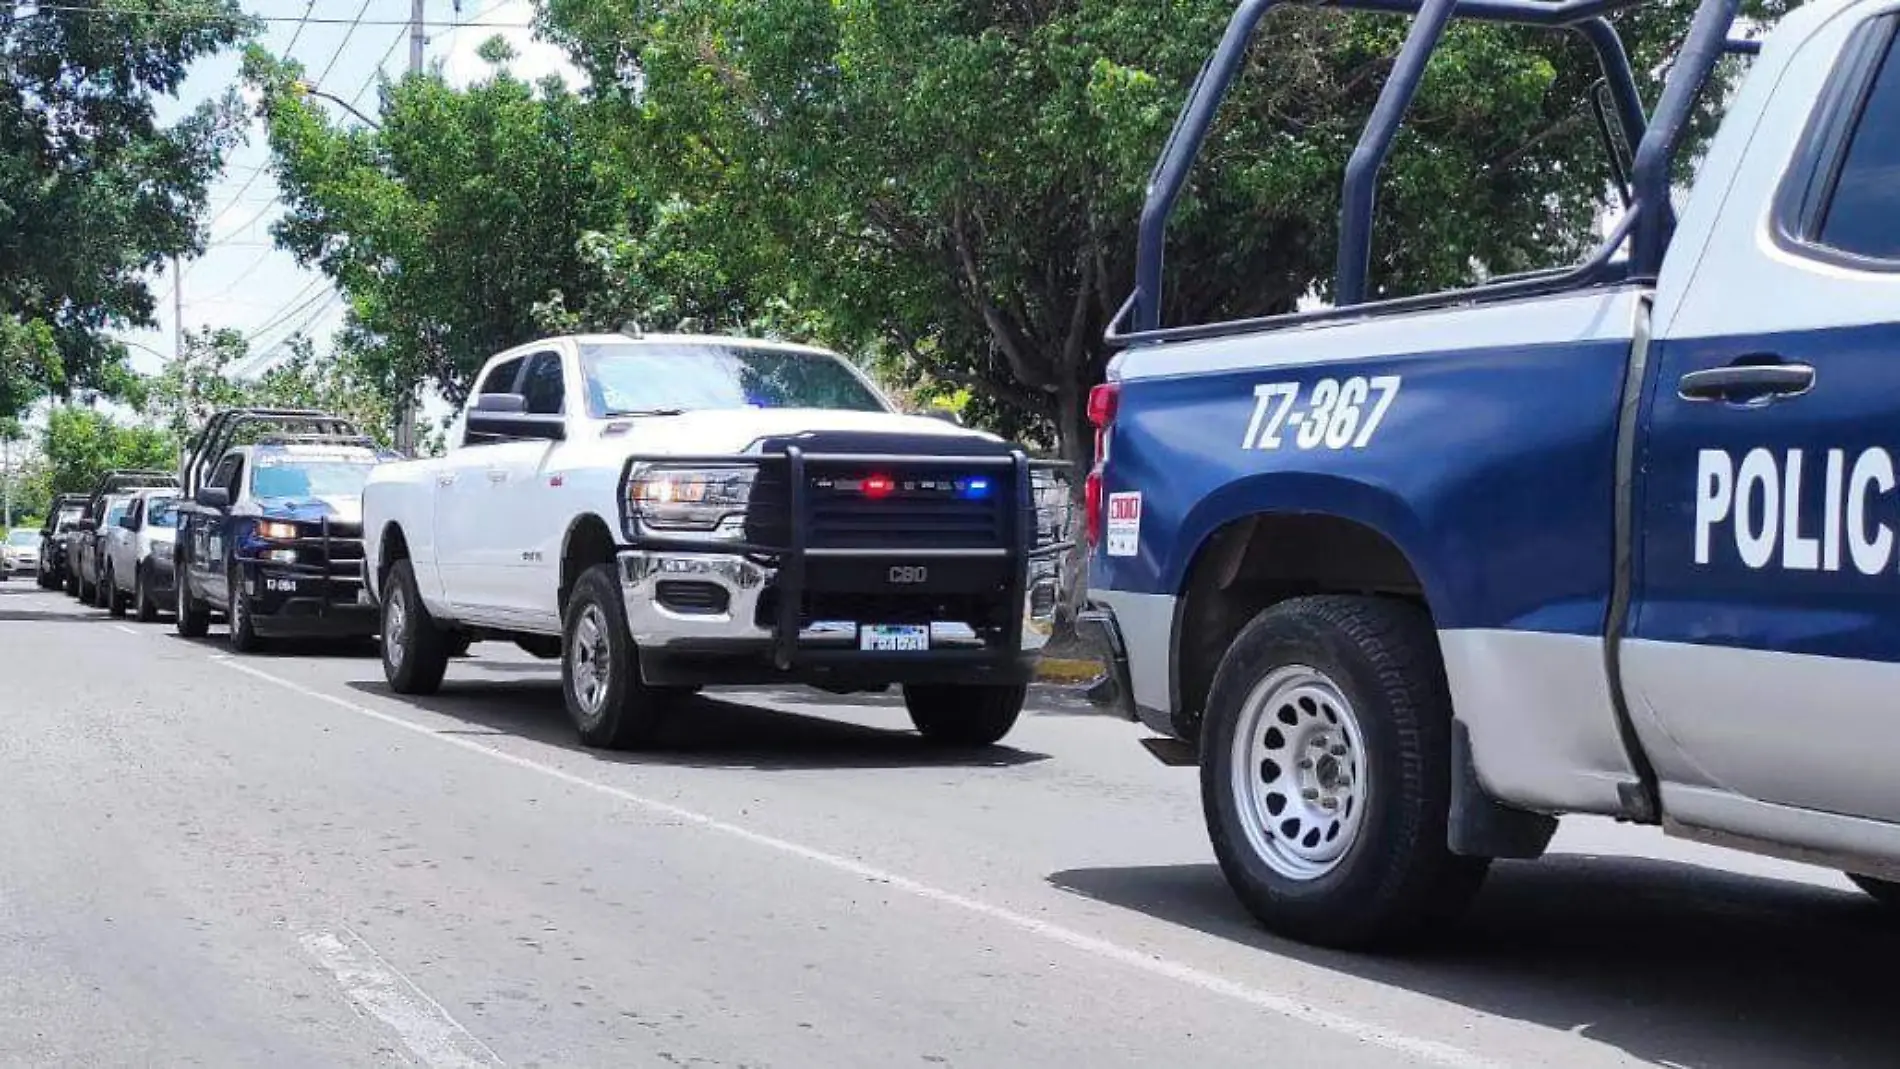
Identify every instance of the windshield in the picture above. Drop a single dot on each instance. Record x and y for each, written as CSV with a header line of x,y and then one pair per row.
x,y
636,378
290,476
161,512
23,537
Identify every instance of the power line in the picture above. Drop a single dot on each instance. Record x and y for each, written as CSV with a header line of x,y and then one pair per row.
x,y
147,12
301,23
347,34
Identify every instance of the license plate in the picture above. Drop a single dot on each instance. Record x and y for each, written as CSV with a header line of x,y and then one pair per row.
x,y
894,638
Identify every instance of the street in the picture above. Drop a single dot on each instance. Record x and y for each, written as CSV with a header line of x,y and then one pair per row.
x,y
213,860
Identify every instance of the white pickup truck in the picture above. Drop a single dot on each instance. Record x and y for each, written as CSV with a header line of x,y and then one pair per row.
x,y
664,513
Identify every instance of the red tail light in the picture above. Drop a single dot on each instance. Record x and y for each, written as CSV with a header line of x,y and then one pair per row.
x,y
1104,400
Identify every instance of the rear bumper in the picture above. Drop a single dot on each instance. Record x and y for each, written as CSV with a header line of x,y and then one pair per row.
x,y
1135,635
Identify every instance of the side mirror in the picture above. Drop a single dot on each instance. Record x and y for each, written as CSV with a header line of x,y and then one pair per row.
x,y
214,497
512,404
516,425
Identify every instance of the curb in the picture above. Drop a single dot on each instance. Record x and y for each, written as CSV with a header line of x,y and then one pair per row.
x,y
1059,670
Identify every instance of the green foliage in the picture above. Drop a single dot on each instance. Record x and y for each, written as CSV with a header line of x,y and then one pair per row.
x,y
93,192
961,181
78,444
475,220
202,381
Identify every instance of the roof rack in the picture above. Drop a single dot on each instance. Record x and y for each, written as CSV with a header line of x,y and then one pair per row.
x,y
220,434
1646,226
120,480
362,440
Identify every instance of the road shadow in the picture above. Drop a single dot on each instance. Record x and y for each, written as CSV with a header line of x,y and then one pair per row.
x,y
23,602
723,731
1669,962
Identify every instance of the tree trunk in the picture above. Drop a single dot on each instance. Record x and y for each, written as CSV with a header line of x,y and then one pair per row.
x,y
1075,444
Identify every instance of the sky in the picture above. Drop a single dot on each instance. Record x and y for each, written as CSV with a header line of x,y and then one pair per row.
x,y
242,281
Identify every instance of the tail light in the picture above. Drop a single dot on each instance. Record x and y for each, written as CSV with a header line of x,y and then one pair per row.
x,y
1103,401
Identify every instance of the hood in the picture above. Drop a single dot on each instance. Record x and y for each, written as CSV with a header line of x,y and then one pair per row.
x,y
733,430
311,509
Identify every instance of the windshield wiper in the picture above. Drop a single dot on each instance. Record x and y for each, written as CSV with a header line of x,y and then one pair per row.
x,y
620,413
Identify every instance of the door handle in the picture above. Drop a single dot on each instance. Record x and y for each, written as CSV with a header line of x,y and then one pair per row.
x,y
445,478
497,475
1747,383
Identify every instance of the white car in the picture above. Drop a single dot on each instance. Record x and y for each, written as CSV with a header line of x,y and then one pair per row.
x,y
670,512
20,555
138,555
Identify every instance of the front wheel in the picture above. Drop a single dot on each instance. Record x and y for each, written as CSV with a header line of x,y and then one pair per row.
x,y
612,708
961,715
415,650
1326,773
242,617
143,607
116,602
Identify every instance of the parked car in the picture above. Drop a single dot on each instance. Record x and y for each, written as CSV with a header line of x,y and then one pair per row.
x,y
89,548
21,553
139,556
56,535
669,512
270,531
83,545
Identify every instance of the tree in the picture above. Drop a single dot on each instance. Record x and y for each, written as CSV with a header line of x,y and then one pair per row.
x,y
203,380
473,220
79,444
961,181
94,193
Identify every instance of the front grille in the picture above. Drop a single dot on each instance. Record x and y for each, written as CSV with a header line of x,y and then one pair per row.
x,y
927,507
340,554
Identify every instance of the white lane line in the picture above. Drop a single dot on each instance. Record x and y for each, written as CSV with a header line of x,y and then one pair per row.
x,y
128,630
1287,1006
376,987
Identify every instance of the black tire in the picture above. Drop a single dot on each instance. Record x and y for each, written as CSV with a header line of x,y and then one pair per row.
x,y
961,715
242,619
101,594
415,650
116,601
1396,878
611,706
71,582
144,609
193,616
459,643
1885,892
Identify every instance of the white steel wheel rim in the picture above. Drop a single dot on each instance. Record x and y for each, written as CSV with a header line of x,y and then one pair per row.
x,y
1299,774
396,627
589,661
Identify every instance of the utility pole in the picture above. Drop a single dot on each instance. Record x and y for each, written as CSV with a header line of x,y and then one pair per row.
x,y
178,310
418,58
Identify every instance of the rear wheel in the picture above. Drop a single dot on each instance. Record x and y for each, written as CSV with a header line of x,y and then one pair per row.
x,y
610,705
1325,773
194,617
1885,892
415,650
71,582
101,591
242,618
956,714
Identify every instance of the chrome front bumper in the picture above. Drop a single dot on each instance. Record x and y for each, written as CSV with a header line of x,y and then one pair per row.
x,y
744,582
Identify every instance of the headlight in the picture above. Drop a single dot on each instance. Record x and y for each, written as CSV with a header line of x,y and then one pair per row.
x,y
282,532
692,499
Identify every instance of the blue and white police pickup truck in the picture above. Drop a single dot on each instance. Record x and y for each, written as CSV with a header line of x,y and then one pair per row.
x,y
1411,579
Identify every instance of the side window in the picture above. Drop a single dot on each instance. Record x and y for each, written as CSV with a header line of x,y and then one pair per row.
x,y
1862,216
230,474
502,378
545,389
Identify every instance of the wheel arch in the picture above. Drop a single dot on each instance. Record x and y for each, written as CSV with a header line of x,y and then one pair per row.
x,y
589,541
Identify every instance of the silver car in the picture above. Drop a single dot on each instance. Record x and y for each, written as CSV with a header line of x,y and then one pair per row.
x,y
138,555
20,554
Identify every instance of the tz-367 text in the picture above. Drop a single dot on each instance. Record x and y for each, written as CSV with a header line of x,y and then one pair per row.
x,y
1337,414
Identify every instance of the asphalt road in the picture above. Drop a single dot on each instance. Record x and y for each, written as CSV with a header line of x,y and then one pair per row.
x,y
210,860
